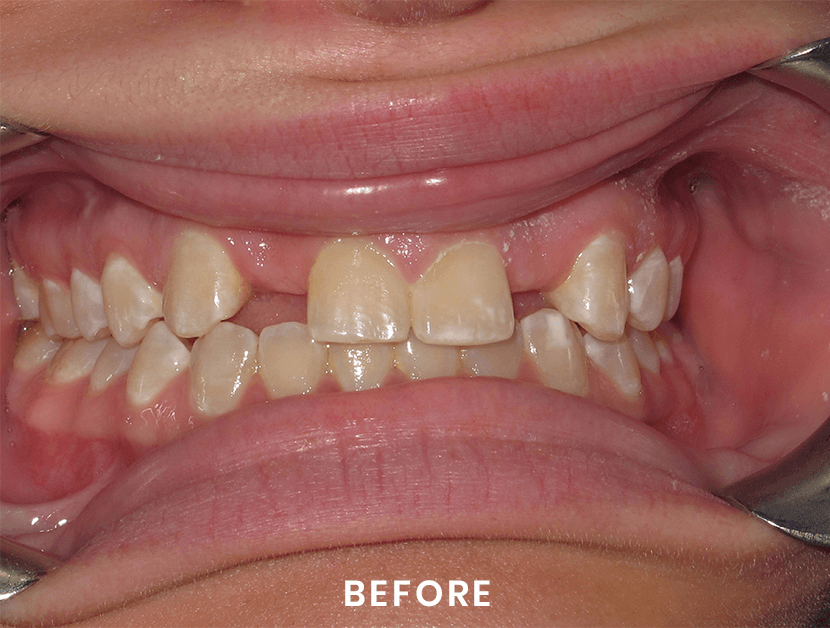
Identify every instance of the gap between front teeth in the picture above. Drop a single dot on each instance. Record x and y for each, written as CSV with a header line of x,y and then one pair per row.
x,y
364,320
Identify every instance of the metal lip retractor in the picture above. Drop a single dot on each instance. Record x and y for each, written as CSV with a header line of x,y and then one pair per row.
x,y
21,566
15,136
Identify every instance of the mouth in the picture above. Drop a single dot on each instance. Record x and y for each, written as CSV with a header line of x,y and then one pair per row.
x,y
565,339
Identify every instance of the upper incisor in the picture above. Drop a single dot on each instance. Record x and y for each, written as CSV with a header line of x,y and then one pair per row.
x,y
356,295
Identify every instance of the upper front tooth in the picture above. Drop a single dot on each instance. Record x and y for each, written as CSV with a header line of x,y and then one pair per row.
x,y
618,361
25,292
595,294
464,298
223,363
130,302
161,356
58,302
648,288
355,294
203,286
555,346
675,286
88,306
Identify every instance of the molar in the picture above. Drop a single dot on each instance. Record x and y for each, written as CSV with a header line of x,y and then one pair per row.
x,y
554,345
74,360
203,286
223,362
418,360
360,367
88,306
463,298
56,300
130,302
500,359
617,361
35,348
113,362
290,361
161,356
595,294
648,289
25,293
356,294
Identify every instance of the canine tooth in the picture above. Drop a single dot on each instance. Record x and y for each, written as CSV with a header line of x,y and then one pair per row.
x,y
648,289
554,345
290,361
595,294
617,361
88,306
131,304
356,294
223,362
203,286
113,362
664,352
75,359
25,293
463,298
418,360
644,349
675,286
34,348
58,302
360,367
500,359
161,356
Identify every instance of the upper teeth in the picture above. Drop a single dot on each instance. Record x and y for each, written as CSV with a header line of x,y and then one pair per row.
x,y
460,314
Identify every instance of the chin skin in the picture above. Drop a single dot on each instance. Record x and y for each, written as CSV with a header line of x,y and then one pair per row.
x,y
767,580
531,584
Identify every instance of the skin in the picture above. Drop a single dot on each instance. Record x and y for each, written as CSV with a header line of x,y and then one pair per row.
x,y
59,76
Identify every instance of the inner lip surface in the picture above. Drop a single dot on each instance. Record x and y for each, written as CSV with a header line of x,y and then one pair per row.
x,y
159,477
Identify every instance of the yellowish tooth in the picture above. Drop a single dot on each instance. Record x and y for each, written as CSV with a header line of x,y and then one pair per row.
x,y
644,349
88,306
113,362
222,365
25,293
161,356
130,302
648,290
74,360
675,286
58,302
595,294
554,345
290,361
34,348
360,367
418,360
617,361
500,359
203,286
356,294
46,322
463,298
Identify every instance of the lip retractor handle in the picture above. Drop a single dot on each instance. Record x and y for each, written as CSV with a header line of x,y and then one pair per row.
x,y
21,567
793,495
14,136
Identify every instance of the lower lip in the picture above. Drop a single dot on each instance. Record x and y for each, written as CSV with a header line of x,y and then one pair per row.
x,y
438,459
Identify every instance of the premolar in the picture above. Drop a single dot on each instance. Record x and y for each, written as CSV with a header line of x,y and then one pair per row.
x,y
25,292
648,289
463,298
35,348
88,306
56,308
113,362
130,302
161,356
203,286
223,362
74,360
355,294
595,294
